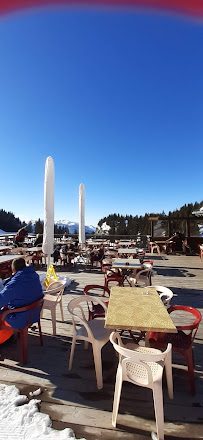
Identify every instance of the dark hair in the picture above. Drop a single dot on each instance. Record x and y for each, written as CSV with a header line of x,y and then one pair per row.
x,y
18,264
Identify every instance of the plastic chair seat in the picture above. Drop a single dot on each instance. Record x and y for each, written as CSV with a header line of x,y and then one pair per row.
x,y
97,328
49,301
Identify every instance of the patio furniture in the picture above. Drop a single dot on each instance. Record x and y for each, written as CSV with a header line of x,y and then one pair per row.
x,y
53,297
90,331
111,275
96,310
141,277
126,267
16,251
165,294
142,309
128,251
6,270
96,256
24,331
154,247
181,342
6,265
144,367
35,254
200,251
38,257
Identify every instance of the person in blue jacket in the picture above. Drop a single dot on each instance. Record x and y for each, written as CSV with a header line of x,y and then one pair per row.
x,y
22,289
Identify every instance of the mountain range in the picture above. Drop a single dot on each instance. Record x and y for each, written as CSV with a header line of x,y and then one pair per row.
x,y
73,226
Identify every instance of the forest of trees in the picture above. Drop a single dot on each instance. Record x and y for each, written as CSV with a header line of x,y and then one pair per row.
x,y
129,225
10,223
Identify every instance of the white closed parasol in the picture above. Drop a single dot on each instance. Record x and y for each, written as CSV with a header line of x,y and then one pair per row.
x,y
82,213
48,234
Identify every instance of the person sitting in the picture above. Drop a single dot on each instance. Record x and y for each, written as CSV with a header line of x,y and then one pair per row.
x,y
64,253
56,253
20,236
98,256
39,240
175,243
22,289
65,236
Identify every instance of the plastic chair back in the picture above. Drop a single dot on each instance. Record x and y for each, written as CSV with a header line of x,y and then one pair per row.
x,y
165,294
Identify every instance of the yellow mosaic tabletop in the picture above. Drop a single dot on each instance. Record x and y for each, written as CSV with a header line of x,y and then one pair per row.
x,y
136,308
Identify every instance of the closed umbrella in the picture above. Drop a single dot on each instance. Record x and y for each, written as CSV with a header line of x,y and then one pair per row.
x,y
82,213
48,235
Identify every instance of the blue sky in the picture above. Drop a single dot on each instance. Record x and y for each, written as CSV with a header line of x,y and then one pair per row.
x,y
114,96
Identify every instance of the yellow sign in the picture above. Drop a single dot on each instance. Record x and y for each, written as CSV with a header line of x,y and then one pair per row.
x,y
51,274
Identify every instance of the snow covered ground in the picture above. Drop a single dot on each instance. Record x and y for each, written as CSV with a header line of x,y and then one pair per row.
x,y
20,418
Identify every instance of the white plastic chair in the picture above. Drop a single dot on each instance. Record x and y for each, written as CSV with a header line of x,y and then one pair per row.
x,y
53,296
141,277
154,247
165,294
90,331
143,366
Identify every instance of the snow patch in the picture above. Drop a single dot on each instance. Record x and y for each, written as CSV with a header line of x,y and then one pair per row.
x,y
21,420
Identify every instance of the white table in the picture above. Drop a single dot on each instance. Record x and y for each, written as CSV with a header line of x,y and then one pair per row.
x,y
126,265
124,243
11,257
5,248
32,249
132,251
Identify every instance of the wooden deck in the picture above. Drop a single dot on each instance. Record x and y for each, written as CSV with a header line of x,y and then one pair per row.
x,y
72,399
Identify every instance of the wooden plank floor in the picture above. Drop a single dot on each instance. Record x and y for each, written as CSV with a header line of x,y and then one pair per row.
x,y
72,398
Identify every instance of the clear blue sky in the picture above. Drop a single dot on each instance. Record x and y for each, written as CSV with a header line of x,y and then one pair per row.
x,y
114,96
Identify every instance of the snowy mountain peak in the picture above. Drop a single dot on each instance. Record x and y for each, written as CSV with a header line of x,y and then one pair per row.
x,y
73,226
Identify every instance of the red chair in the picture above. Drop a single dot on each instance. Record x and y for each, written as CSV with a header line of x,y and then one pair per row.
x,y
97,310
111,275
181,342
24,331
38,256
6,270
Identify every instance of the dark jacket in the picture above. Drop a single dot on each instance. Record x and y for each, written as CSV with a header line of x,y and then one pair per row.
x,y
39,240
21,234
22,289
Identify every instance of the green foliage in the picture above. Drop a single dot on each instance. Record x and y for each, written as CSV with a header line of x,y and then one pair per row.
x,y
129,225
39,225
8,222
